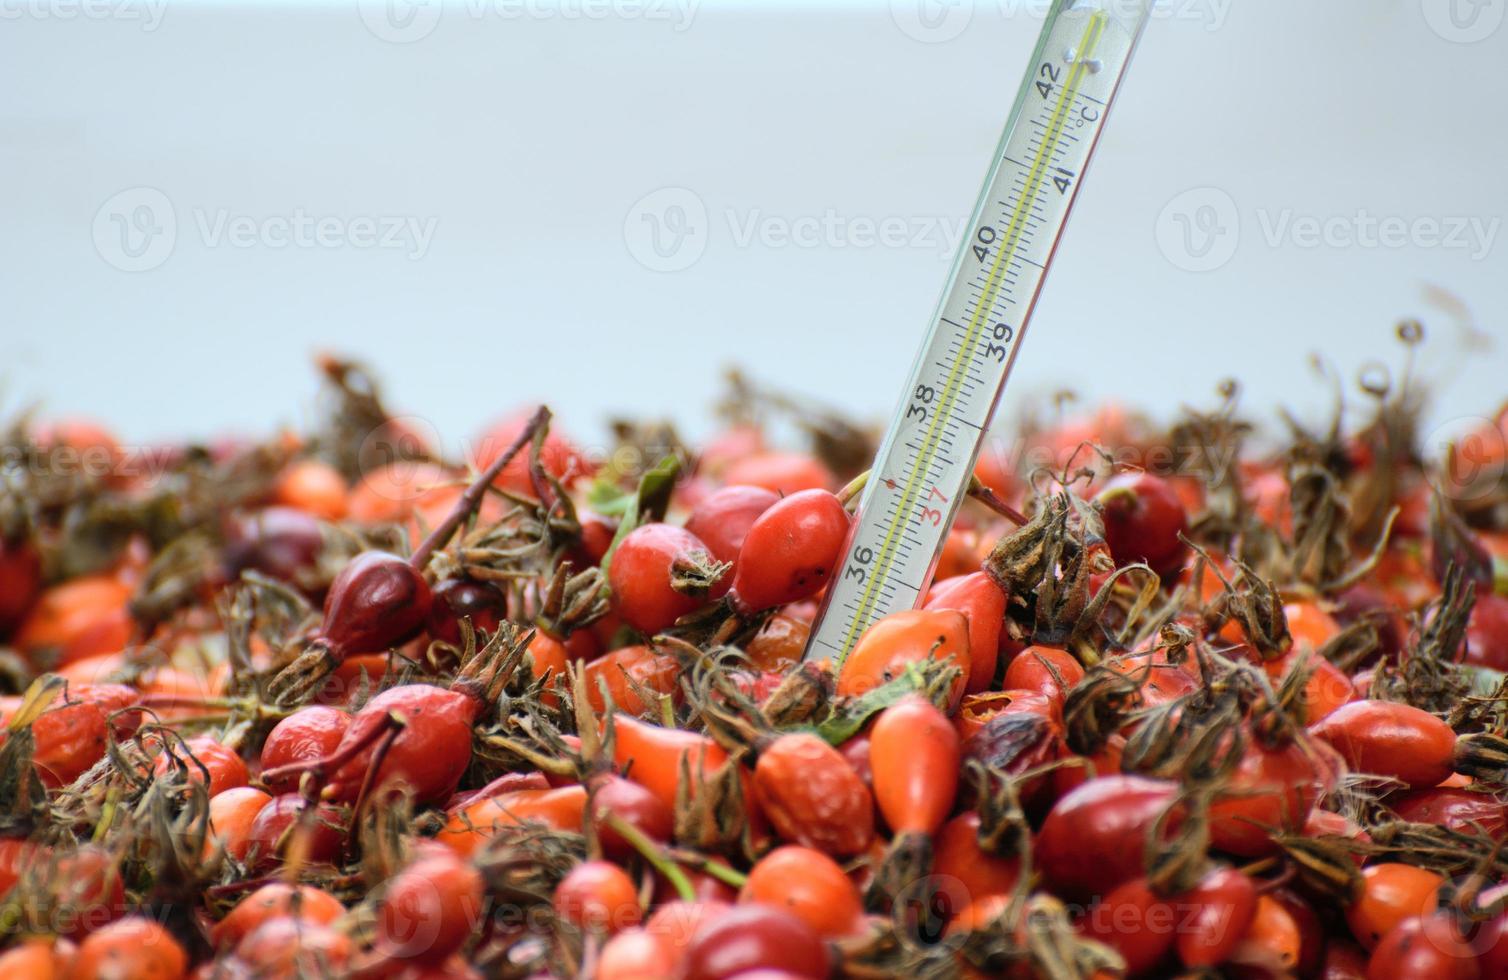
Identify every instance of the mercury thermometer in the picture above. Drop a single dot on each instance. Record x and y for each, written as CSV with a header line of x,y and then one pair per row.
x,y
925,463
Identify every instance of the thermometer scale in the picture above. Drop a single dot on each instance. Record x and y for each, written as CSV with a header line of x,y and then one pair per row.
x,y
925,463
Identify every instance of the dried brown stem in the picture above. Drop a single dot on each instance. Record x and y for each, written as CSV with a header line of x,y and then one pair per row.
x,y
472,498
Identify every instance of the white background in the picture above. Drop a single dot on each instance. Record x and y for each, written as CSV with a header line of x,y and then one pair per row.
x,y
528,138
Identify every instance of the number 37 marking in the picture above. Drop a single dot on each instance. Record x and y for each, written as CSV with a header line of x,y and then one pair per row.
x,y
933,515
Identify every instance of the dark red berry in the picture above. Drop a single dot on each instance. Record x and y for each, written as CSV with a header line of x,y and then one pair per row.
x,y
1143,520
376,602
277,541
459,598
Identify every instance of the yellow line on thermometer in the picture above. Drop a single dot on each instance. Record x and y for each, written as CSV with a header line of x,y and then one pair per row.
x,y
1040,163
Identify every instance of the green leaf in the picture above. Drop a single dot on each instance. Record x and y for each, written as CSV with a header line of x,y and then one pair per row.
x,y
655,488
647,504
931,678
607,498
1484,680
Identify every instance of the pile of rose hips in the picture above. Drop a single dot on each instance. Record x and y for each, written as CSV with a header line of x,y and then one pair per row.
x,y
331,706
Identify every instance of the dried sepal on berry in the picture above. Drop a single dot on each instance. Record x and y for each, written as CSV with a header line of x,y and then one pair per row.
x,y
711,812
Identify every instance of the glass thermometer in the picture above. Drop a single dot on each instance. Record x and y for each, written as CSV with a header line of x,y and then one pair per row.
x,y
925,464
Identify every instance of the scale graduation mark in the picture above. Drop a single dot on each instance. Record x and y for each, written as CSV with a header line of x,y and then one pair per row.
x,y
924,465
